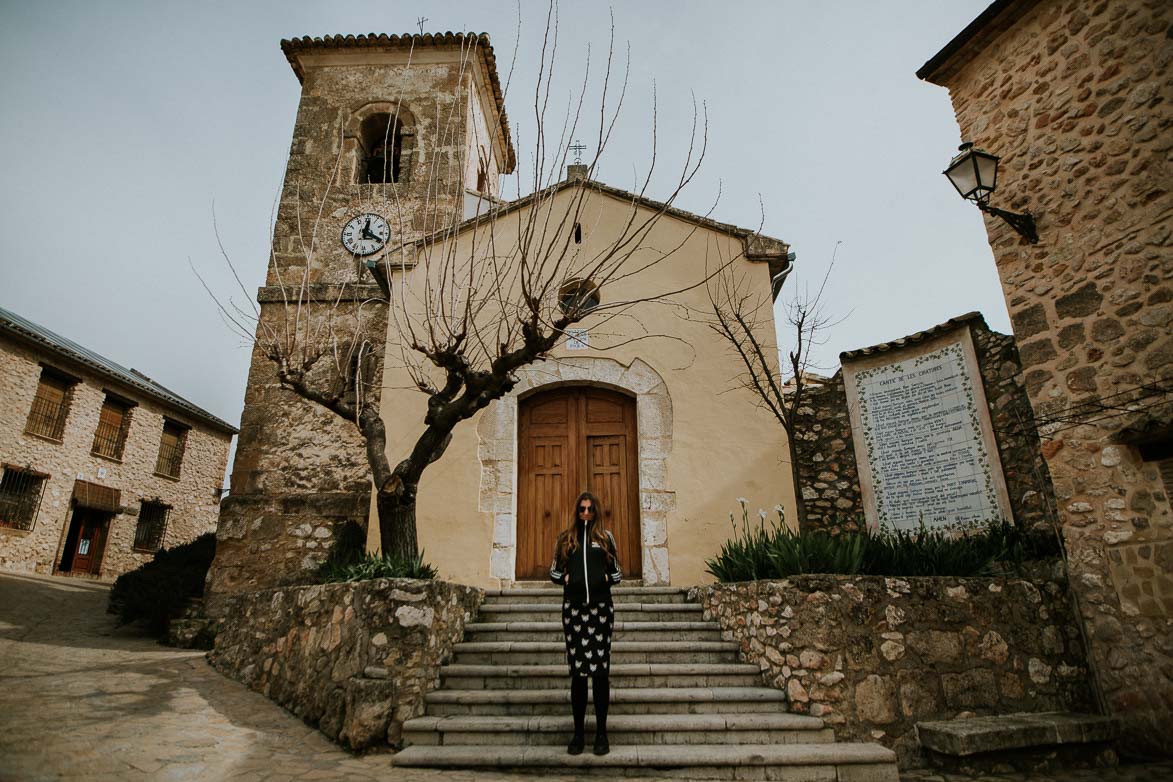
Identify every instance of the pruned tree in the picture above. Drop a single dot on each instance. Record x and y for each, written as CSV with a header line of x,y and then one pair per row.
x,y
743,314
468,308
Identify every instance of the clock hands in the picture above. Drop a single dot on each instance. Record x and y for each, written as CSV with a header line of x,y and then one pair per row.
x,y
359,238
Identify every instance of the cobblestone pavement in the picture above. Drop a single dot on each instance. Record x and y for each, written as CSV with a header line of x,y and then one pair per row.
x,y
83,700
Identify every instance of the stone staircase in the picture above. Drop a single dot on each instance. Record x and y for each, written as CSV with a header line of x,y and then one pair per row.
x,y
682,705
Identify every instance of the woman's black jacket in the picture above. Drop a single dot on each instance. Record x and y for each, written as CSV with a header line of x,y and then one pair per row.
x,y
592,571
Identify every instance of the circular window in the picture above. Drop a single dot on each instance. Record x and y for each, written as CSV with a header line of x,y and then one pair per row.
x,y
578,297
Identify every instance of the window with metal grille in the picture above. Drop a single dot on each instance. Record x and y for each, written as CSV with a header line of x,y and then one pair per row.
x,y
20,496
152,526
171,449
113,425
50,405
578,297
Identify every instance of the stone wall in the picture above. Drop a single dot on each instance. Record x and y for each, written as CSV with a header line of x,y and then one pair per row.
x,y
827,472
873,656
829,476
1075,98
193,496
355,659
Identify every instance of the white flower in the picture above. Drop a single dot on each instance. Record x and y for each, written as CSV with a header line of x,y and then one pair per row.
x,y
762,513
779,509
742,501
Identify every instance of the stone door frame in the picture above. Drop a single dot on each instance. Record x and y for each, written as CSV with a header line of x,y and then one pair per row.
x,y
497,451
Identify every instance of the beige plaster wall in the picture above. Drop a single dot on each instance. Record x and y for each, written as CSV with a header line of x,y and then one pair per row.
x,y
195,507
1076,99
721,445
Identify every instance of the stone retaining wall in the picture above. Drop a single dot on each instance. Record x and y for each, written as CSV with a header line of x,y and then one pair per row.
x,y
353,659
873,656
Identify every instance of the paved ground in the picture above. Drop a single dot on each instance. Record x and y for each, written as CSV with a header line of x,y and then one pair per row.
x,y
83,700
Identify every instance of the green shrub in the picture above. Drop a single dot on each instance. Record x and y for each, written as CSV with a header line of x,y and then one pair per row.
x,y
158,591
772,550
375,566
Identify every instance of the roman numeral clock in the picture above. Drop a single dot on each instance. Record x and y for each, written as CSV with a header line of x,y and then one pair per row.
x,y
365,234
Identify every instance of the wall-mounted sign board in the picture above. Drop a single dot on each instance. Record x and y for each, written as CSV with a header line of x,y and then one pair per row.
x,y
924,443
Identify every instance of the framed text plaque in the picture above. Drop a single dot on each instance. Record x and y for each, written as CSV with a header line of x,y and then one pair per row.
x,y
924,443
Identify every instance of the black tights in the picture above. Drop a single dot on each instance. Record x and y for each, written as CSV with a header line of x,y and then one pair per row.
x,y
578,702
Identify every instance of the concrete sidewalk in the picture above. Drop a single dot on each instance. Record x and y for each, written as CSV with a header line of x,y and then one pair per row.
x,y
81,699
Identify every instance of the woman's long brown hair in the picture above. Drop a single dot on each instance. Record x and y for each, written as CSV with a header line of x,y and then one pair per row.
x,y
568,541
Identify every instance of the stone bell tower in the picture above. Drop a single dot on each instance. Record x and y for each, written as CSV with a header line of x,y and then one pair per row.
x,y
395,136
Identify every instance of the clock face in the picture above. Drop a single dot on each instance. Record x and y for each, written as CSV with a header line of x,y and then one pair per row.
x,y
365,234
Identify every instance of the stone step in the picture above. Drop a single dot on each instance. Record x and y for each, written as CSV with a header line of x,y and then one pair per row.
x,y
623,730
626,612
622,652
1010,732
634,700
552,594
791,762
539,677
630,631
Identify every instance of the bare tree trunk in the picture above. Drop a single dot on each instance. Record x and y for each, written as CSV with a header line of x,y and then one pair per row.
x,y
397,535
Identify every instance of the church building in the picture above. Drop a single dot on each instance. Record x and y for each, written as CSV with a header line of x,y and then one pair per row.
x,y
398,150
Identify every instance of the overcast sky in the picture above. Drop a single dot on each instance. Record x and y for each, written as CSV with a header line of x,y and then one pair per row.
x,y
124,121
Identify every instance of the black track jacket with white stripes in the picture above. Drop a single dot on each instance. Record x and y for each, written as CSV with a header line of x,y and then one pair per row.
x,y
591,574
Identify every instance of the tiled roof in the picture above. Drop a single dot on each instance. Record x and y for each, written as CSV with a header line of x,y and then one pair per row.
x,y
999,16
412,40
912,339
51,342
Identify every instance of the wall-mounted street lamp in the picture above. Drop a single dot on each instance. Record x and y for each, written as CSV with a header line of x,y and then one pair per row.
x,y
974,172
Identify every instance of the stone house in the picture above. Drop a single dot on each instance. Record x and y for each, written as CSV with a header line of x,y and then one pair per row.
x,y
1075,99
678,453
102,466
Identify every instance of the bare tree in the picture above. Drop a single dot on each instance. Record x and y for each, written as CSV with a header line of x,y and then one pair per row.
x,y
743,314
468,308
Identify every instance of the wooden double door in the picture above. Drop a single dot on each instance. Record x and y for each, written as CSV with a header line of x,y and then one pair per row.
x,y
571,440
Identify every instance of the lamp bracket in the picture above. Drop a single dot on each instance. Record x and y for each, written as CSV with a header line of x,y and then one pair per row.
x,y
1023,224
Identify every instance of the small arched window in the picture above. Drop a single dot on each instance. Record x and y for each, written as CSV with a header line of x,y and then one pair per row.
x,y
578,297
380,142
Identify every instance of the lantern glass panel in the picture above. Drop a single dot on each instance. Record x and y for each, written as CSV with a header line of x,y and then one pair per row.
x,y
987,171
963,175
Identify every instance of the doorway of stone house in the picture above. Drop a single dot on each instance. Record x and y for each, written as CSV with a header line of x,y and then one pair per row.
x,y
86,541
570,439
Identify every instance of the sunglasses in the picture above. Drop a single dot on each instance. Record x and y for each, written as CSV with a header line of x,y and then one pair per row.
x,y
585,509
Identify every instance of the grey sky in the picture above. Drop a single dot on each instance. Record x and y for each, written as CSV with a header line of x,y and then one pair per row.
x,y
124,121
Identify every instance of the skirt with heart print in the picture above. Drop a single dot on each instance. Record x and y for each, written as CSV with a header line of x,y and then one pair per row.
x,y
587,627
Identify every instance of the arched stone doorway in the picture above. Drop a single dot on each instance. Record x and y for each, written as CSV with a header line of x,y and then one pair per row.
x,y
571,438
497,450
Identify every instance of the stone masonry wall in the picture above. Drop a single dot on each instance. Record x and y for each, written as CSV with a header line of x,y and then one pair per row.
x,y
1076,98
830,476
296,463
193,499
355,660
873,656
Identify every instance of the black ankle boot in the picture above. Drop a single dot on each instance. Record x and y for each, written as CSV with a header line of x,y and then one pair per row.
x,y
601,745
577,742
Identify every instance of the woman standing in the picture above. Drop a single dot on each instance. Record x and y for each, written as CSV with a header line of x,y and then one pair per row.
x,y
586,566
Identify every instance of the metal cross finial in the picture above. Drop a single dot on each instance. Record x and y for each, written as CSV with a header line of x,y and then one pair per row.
x,y
419,22
578,148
